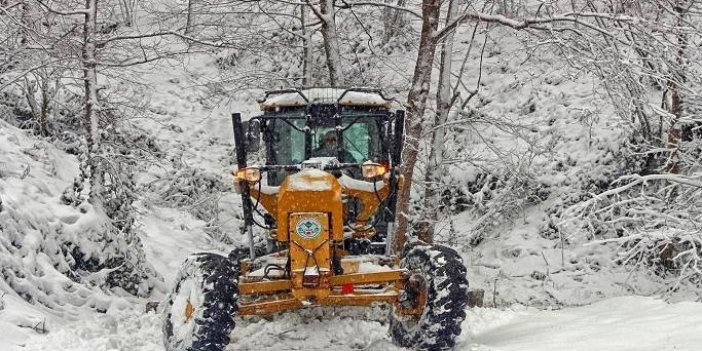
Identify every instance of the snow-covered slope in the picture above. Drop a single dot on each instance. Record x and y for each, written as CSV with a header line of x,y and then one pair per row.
x,y
541,137
36,291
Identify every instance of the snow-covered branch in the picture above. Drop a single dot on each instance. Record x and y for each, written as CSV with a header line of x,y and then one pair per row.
x,y
637,179
536,22
632,181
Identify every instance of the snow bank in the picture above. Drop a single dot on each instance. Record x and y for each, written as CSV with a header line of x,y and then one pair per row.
x,y
55,259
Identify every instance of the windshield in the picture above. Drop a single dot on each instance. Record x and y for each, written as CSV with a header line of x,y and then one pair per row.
x,y
360,141
288,144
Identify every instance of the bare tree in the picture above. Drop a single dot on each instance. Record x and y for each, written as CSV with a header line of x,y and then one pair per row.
x,y
675,80
326,13
434,165
394,20
128,10
416,106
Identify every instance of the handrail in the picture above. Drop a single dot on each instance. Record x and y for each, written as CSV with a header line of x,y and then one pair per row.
x,y
283,91
300,92
298,167
363,90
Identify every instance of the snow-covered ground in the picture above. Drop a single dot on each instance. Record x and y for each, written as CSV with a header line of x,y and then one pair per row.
x,y
625,323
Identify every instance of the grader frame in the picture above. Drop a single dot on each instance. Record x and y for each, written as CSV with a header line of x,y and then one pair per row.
x,y
308,209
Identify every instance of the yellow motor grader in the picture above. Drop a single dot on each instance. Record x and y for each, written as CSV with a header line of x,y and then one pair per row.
x,y
325,199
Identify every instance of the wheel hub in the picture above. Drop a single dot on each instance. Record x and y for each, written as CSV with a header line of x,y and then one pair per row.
x,y
414,292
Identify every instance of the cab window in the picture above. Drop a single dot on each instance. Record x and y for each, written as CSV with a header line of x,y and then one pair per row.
x,y
362,139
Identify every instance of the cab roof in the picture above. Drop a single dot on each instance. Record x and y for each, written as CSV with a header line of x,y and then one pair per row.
x,y
352,97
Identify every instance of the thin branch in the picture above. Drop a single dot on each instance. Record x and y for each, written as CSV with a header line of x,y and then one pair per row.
x,y
83,12
22,75
165,33
350,4
9,7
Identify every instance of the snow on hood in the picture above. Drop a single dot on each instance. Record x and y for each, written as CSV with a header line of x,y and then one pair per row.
x,y
310,179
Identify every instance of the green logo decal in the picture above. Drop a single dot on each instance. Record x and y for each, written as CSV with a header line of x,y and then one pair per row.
x,y
308,228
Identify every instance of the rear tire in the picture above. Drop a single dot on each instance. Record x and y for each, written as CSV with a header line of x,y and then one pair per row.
x,y
444,278
199,312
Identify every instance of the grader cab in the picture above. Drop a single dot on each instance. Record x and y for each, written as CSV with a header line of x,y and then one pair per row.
x,y
325,202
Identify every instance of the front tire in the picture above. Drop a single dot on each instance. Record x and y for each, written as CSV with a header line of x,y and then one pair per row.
x,y
199,312
443,279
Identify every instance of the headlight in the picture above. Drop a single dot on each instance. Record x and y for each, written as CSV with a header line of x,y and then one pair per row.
x,y
249,174
372,169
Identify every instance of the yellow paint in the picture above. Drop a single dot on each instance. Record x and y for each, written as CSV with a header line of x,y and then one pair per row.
x,y
310,255
311,251
291,200
189,309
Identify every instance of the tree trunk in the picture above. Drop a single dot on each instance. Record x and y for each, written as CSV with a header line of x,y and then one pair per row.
x,y
434,168
307,52
45,87
128,12
677,77
90,119
416,104
189,17
25,19
331,42
90,75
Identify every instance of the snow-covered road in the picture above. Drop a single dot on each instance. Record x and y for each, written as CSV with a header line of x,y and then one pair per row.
x,y
625,323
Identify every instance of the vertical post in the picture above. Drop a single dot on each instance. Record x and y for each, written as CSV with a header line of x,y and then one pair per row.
x,y
339,137
389,238
310,129
240,145
398,138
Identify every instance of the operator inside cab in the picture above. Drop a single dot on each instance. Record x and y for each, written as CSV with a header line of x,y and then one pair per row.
x,y
328,148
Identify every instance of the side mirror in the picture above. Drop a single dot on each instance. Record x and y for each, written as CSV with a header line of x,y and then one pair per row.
x,y
253,135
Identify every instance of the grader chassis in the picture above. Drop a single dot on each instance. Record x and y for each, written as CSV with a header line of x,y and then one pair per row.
x,y
327,233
